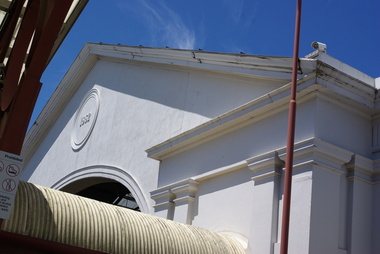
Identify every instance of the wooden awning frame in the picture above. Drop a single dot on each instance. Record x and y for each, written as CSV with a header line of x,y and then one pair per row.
x,y
30,34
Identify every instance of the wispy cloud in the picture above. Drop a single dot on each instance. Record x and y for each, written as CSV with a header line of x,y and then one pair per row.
x,y
242,11
236,9
164,25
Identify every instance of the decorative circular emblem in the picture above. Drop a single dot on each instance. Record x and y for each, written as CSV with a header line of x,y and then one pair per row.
x,y
85,119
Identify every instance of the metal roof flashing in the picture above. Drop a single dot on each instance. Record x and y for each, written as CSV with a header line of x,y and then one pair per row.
x,y
346,69
377,83
268,67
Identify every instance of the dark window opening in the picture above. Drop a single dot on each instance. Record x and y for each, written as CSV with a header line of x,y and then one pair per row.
x,y
111,193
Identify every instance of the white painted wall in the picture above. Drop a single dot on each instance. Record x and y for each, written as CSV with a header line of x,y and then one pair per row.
x,y
326,216
233,182
257,138
344,126
141,104
231,194
375,218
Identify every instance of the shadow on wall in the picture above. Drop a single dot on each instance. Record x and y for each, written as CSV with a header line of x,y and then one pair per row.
x,y
200,93
225,189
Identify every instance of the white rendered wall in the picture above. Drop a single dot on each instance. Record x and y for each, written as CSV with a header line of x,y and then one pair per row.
x,y
348,226
375,218
231,194
260,137
332,193
328,210
144,104
236,203
344,126
140,106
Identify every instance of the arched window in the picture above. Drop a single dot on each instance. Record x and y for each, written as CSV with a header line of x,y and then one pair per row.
x,y
104,190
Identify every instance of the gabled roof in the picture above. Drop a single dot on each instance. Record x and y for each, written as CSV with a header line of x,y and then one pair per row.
x,y
252,66
316,65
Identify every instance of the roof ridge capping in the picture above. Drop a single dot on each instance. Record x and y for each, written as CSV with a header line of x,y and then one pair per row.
x,y
247,63
324,58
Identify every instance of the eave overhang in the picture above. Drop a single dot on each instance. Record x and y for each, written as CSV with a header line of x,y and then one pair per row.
x,y
269,67
246,114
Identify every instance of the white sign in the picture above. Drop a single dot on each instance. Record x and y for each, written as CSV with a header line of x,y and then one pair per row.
x,y
10,171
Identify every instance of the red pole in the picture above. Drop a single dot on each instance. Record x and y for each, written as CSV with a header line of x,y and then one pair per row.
x,y
290,141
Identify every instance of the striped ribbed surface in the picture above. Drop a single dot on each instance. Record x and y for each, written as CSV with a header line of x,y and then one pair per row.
x,y
65,218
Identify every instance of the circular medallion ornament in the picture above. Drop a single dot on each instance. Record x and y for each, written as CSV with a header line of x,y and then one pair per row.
x,y
85,119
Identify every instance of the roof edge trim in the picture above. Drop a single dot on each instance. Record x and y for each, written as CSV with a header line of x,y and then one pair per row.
x,y
227,122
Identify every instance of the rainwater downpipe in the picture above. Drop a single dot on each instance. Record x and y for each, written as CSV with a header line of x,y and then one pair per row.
x,y
290,140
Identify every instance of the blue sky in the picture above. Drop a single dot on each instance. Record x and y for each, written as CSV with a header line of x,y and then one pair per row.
x,y
350,28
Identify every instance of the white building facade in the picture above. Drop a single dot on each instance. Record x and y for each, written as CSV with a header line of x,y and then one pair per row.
x,y
200,138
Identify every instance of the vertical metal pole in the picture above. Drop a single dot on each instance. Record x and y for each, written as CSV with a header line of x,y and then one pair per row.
x,y
290,141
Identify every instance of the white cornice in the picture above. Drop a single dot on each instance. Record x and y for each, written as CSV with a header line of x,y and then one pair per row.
x,y
307,152
346,84
310,151
327,81
220,171
248,113
316,152
342,68
261,66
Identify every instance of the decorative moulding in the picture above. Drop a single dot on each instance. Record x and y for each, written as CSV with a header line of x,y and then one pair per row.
x,y
181,189
85,119
266,165
109,172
